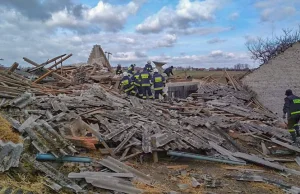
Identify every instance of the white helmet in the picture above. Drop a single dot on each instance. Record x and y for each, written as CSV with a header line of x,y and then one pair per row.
x,y
149,62
155,70
125,74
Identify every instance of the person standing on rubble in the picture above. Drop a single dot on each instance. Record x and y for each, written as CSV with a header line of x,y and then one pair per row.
x,y
145,78
137,82
127,84
159,83
149,67
169,71
291,108
130,70
119,70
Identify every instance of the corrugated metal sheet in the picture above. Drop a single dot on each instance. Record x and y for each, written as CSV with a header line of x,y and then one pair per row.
x,y
9,155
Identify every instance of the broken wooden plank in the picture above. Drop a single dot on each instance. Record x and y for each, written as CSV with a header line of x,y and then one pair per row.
x,y
50,72
265,150
131,156
258,160
124,154
13,67
178,167
97,134
129,135
97,174
224,152
114,133
27,123
244,169
294,148
297,159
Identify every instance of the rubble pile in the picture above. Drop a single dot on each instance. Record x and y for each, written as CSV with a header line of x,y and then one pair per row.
x,y
78,113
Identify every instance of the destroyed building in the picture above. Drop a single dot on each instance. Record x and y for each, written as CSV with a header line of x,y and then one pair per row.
x,y
272,79
83,120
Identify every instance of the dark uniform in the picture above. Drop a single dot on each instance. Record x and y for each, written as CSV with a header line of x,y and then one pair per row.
x,y
149,67
145,78
130,70
158,82
128,86
119,70
169,71
137,82
292,109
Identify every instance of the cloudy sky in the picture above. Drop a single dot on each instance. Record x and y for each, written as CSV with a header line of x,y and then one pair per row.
x,y
200,33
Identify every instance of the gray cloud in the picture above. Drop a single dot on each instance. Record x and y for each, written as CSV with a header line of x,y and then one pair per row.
x,y
140,54
200,30
78,18
23,36
187,14
216,40
36,9
274,10
167,41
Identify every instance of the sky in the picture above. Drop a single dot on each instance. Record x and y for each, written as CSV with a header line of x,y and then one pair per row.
x,y
198,33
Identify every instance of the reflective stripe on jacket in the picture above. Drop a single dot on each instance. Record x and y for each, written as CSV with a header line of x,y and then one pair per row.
x,y
158,81
291,105
126,83
119,71
136,79
130,70
145,78
148,67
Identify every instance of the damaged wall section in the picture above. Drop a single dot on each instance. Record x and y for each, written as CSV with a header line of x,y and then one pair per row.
x,y
272,79
181,89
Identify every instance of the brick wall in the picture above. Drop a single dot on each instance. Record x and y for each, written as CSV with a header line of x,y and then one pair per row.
x,y
272,79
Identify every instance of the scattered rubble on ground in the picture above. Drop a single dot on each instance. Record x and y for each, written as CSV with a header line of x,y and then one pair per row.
x,y
82,110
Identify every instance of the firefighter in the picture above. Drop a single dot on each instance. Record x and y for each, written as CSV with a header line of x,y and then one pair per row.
x,y
145,78
158,82
130,70
169,71
291,108
127,84
149,67
119,70
137,82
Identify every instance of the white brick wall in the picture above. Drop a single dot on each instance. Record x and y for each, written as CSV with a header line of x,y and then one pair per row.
x,y
272,79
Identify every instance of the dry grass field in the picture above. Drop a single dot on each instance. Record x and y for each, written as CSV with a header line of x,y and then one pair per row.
x,y
217,75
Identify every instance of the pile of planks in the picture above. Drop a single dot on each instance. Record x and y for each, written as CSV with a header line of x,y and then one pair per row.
x,y
133,126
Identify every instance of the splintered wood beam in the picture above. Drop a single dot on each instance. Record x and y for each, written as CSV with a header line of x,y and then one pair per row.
x,y
13,67
43,64
51,71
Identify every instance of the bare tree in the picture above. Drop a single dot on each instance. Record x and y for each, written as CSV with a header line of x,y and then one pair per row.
x,y
266,49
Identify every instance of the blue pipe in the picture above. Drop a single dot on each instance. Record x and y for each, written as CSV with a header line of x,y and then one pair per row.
x,y
50,157
199,157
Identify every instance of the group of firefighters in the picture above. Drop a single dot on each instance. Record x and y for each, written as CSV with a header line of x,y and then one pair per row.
x,y
139,83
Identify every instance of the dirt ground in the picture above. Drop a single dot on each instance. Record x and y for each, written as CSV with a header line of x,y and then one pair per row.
x,y
168,179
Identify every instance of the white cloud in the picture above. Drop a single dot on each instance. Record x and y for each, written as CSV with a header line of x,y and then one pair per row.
x,y
216,40
111,17
103,16
167,41
274,10
187,14
64,19
201,30
234,16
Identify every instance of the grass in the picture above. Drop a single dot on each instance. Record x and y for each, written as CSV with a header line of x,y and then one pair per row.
x,y
6,133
